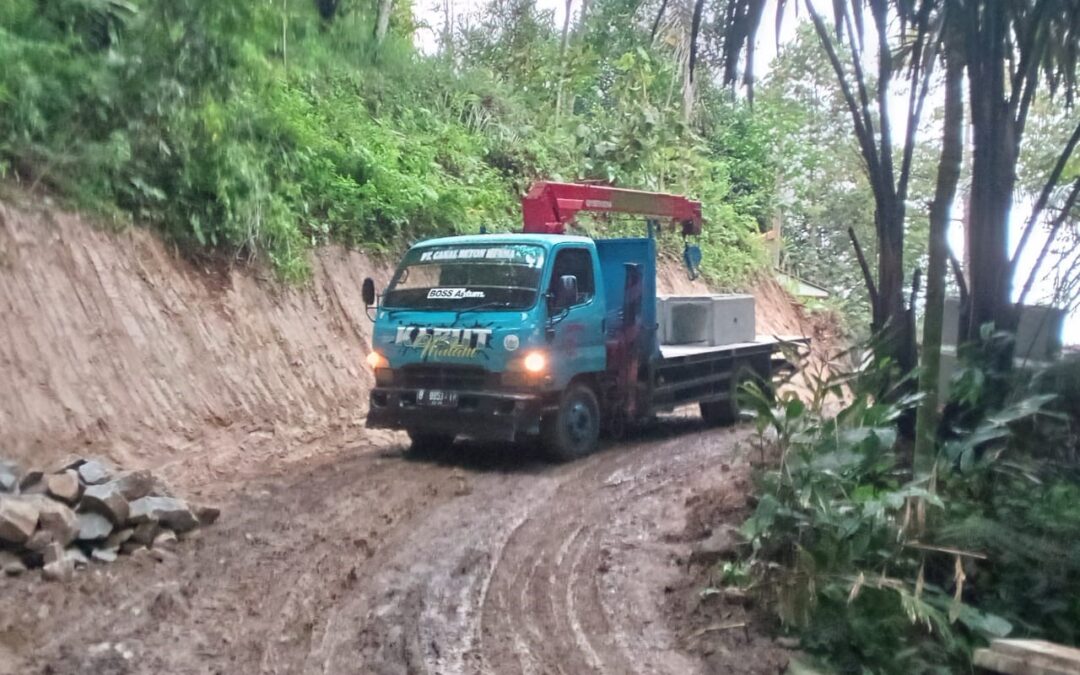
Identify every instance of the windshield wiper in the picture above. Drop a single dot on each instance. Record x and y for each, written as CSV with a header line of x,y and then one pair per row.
x,y
483,305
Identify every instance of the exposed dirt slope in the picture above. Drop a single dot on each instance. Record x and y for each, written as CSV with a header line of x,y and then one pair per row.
x,y
113,342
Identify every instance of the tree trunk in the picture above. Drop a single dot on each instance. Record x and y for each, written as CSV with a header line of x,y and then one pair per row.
x,y
952,148
890,315
382,19
562,61
993,172
327,9
992,181
448,30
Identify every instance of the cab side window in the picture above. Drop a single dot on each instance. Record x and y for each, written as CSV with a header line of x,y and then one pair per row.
x,y
578,262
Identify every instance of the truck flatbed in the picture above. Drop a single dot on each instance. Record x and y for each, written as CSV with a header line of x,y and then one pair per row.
x,y
698,372
763,341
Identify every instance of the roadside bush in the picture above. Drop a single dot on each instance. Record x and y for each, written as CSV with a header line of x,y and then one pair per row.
x,y
877,571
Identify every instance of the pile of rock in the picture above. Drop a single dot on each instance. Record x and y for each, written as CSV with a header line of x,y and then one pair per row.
x,y
87,511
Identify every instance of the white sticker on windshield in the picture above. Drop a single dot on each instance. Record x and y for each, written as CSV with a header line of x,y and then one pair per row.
x,y
473,254
453,294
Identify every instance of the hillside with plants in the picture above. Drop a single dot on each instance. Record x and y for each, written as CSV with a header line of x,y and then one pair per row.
x,y
257,131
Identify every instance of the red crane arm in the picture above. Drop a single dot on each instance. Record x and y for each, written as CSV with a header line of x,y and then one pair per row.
x,y
548,207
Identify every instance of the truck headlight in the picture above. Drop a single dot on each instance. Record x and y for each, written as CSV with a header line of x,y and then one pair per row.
x,y
376,360
384,376
526,372
535,362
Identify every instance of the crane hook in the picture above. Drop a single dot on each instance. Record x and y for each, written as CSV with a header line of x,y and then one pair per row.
x,y
692,258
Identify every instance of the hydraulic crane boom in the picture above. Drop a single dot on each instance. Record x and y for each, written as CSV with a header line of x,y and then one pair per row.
x,y
548,207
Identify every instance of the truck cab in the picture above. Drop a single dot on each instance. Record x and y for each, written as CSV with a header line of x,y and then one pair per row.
x,y
479,335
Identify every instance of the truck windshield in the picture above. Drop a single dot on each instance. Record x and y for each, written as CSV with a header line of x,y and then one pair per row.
x,y
496,276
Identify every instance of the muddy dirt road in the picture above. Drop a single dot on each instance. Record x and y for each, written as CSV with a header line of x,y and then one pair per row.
x,y
481,560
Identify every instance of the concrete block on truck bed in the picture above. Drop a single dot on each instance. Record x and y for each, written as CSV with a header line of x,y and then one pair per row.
x,y
706,319
686,319
733,319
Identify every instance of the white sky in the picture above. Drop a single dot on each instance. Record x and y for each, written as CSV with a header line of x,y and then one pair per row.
x,y
430,13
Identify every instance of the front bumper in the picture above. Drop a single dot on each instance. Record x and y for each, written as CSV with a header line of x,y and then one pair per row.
x,y
479,415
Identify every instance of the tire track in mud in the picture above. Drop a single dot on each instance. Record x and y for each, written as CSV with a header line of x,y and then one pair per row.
x,y
558,570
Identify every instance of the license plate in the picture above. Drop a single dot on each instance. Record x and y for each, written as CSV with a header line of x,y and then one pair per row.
x,y
437,398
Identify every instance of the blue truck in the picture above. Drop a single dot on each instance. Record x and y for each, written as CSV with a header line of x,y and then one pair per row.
x,y
506,336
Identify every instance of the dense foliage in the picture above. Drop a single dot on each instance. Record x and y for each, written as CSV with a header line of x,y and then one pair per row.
x,y
878,569
261,129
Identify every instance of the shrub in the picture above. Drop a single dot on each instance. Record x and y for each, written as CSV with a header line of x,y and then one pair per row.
x,y
879,571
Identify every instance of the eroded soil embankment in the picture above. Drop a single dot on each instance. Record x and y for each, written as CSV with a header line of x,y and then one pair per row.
x,y
111,344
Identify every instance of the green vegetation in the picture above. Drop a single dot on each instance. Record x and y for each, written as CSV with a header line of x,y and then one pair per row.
x,y
259,130
879,569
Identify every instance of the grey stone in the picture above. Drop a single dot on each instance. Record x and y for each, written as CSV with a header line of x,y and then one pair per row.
x,y
56,518
93,526
105,555
119,537
32,482
76,556
131,546
207,515
52,553
169,511
72,463
11,564
94,472
39,540
137,484
18,519
10,472
165,539
63,486
142,553
106,499
60,570
144,533
162,555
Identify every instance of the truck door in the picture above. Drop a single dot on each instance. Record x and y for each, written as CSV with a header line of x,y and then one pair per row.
x,y
578,345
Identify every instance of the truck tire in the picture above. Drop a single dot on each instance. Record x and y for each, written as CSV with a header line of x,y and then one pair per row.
x,y
718,413
573,430
425,444
725,412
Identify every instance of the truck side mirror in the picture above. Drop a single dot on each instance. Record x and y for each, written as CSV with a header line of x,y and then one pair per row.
x,y
566,292
367,292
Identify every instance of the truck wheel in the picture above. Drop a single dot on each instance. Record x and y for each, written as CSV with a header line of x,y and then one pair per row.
x,y
718,413
426,444
573,430
725,412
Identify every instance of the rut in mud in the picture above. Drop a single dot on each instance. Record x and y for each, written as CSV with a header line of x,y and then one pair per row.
x,y
481,560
